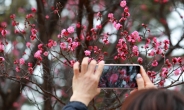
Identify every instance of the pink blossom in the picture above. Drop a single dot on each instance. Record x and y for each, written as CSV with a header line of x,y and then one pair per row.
x,y
113,78
123,3
1,48
99,26
70,29
40,46
135,35
51,43
74,45
135,50
47,16
38,55
30,64
33,31
111,15
105,41
166,41
45,53
33,10
21,61
4,32
28,16
126,9
32,37
28,44
1,59
12,16
117,25
64,32
87,52
69,40
152,53
139,60
30,69
177,60
17,69
177,72
154,63
62,45
59,36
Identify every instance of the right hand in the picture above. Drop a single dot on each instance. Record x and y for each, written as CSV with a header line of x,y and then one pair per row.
x,y
143,81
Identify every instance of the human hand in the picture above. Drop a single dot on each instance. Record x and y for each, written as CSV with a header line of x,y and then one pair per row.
x,y
85,83
143,81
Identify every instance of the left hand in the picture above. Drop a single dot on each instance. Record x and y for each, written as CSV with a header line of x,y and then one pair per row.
x,y
85,83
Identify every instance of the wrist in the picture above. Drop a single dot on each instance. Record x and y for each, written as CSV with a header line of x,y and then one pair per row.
x,y
80,98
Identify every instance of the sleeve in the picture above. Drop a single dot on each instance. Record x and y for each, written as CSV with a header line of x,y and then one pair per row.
x,y
74,105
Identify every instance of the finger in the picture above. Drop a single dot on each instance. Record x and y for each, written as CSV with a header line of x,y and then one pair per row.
x,y
140,82
99,69
84,65
76,69
144,75
133,91
91,67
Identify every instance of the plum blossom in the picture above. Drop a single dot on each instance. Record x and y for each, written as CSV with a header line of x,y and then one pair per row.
x,y
70,29
28,44
4,32
152,53
51,43
33,9
1,59
117,25
62,45
177,60
17,69
139,60
21,61
38,55
154,63
87,52
33,31
123,3
135,50
105,41
45,53
64,32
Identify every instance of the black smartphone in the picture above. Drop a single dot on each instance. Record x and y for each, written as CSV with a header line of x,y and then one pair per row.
x,y
119,76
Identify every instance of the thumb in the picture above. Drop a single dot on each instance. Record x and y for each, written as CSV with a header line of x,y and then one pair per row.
x,y
140,81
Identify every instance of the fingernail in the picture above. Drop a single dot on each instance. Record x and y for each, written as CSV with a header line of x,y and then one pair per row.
x,y
138,75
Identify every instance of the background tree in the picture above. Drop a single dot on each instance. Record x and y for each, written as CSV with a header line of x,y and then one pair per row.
x,y
40,41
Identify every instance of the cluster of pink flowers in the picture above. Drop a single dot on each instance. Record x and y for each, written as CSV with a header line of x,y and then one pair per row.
x,y
51,43
33,34
66,32
133,37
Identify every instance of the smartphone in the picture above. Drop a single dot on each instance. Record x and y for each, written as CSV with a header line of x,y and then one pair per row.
x,y
119,76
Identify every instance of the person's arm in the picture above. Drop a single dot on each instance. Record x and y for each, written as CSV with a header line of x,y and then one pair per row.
x,y
75,106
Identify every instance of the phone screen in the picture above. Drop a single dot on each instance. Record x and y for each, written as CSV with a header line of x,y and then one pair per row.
x,y
119,76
